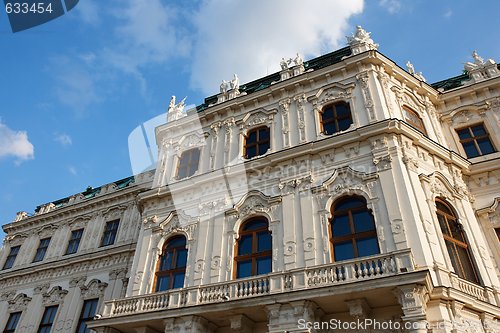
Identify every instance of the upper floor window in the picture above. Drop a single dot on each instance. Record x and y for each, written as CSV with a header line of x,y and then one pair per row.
x,y
48,319
171,267
188,163
74,241
353,232
88,312
456,243
110,230
254,249
257,142
12,322
412,118
497,230
42,249
335,118
475,140
11,258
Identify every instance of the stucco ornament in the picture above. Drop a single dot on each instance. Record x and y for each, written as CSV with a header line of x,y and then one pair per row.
x,y
55,296
19,303
93,289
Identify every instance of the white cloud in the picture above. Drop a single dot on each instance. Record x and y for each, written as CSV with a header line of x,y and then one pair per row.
x,y
72,170
250,37
448,13
88,11
15,143
392,6
63,139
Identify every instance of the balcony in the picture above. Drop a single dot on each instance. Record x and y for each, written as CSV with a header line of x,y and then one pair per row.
x,y
309,278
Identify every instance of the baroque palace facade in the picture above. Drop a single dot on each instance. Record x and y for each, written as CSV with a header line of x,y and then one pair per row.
x,y
339,190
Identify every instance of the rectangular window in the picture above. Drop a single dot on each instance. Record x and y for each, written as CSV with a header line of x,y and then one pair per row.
x,y
11,258
188,163
88,312
110,230
475,140
42,249
47,319
497,230
74,241
12,322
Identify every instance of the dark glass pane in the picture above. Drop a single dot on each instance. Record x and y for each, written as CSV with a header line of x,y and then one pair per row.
x,y
327,113
166,261
182,173
478,130
178,280
176,242
184,159
343,251
162,283
12,322
181,258
255,224
363,221
464,133
443,225
245,245
244,269
444,208
82,328
264,265
367,246
342,110
344,124
252,137
485,146
192,169
263,147
251,151
349,203
467,264
470,149
195,155
14,250
341,226
263,134
329,128
453,257
264,241
456,231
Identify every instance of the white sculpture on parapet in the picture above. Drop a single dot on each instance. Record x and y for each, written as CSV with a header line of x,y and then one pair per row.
x,y
175,111
480,69
361,41
411,70
229,89
291,67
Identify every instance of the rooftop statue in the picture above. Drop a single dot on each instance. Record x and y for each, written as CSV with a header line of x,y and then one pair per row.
x,y
284,64
235,83
411,70
360,36
478,62
176,111
298,61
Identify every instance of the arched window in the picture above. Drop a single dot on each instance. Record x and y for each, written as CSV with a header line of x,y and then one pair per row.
x,y
412,118
254,248
188,163
171,266
335,118
456,243
353,232
257,142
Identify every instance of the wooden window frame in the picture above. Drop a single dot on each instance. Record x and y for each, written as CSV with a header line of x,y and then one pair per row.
x,y
420,126
451,216
353,236
174,270
257,141
474,138
335,119
190,162
255,254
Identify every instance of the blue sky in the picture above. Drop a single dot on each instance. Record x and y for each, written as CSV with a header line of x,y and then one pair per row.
x,y
73,90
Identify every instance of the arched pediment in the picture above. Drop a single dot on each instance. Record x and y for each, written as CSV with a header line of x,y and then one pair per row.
x,y
193,140
54,296
440,186
466,114
94,289
19,303
79,221
114,213
331,93
257,118
47,231
409,98
255,203
178,221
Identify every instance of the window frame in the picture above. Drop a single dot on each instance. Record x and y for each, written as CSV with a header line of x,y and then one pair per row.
x,y
107,231
188,165
449,238
335,119
257,142
73,240
353,236
12,321
10,256
474,139
41,251
83,320
174,269
419,126
254,255
42,326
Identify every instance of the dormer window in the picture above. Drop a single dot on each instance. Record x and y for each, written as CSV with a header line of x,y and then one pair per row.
x,y
188,163
412,118
335,117
257,142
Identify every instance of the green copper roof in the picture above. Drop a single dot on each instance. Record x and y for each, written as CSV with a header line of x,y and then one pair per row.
x,y
451,83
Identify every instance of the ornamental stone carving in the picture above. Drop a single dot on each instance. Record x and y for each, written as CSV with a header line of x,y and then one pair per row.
x,y
78,281
255,202
300,100
363,79
19,303
114,213
284,107
257,118
331,93
360,41
297,184
94,289
413,300
178,221
55,296
191,141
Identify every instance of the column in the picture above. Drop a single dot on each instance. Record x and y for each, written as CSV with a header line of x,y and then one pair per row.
x,y
413,300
